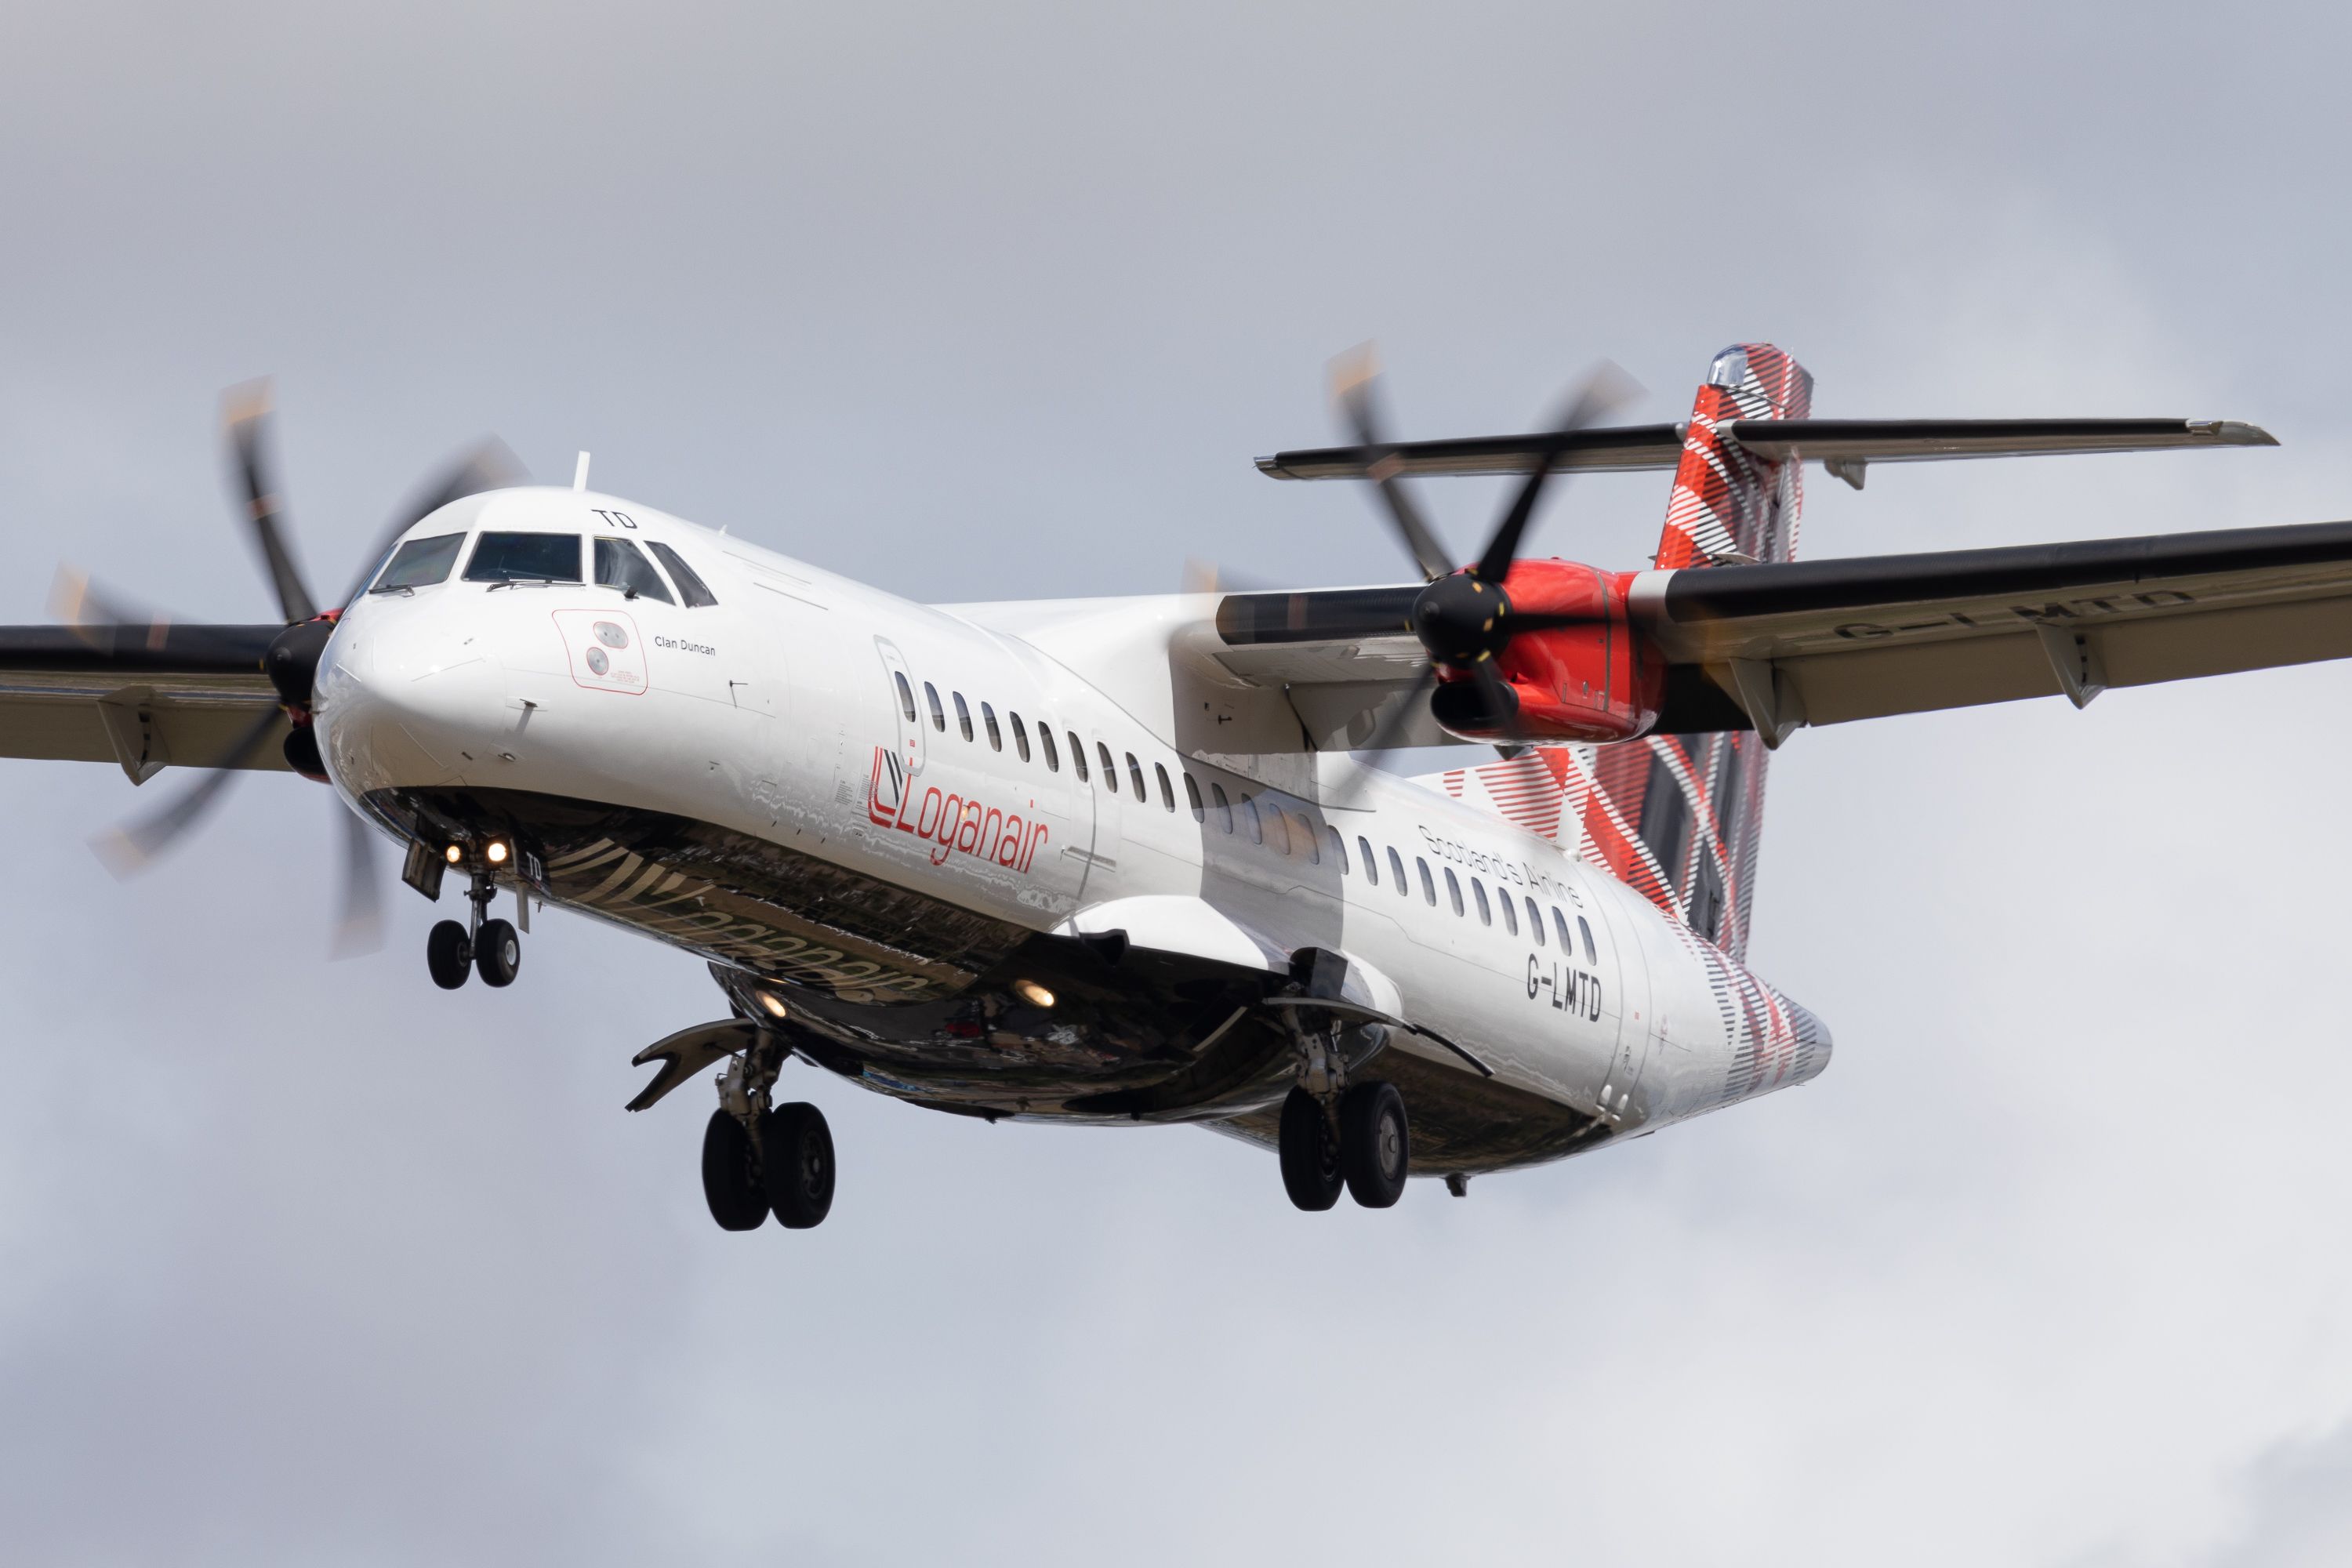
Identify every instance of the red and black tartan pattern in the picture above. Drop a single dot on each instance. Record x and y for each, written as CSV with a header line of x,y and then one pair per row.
x,y
1679,818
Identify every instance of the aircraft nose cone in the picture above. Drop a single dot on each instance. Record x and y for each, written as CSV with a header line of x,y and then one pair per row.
x,y
396,710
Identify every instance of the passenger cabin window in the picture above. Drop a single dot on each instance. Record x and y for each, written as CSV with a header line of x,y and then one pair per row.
x,y
621,564
1168,791
1021,736
1110,769
1453,891
1592,953
988,723
1193,797
1078,756
938,714
1478,891
1046,739
1338,847
1303,831
963,715
419,563
1396,874
1428,888
1371,867
1535,921
1225,807
690,588
525,558
1510,911
906,695
1250,820
1135,777
1559,925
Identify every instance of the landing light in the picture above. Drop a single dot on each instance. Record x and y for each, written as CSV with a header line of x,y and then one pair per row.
x,y
774,1005
495,853
456,853
1037,996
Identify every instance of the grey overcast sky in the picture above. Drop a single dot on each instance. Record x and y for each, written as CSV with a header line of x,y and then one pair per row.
x,y
313,1263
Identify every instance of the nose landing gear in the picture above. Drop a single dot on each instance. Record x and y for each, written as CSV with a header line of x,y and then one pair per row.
x,y
452,951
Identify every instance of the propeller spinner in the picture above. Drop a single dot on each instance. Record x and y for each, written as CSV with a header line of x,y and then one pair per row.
x,y
1464,616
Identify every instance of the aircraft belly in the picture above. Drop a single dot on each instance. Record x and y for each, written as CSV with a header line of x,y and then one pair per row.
x,y
908,993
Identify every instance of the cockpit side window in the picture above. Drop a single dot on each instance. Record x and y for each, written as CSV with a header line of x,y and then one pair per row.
x,y
620,564
525,558
419,563
690,588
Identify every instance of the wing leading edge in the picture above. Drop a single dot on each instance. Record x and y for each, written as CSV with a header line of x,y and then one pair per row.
x,y
144,696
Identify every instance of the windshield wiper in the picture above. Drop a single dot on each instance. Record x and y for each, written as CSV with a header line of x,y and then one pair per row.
x,y
541,582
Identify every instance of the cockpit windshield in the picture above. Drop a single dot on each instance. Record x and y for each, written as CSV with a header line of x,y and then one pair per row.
x,y
419,563
525,558
619,565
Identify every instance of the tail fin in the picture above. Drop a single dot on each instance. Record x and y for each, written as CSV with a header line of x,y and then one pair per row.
x,y
1679,817
1728,501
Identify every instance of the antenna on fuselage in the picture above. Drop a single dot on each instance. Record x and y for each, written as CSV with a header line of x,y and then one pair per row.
x,y
579,473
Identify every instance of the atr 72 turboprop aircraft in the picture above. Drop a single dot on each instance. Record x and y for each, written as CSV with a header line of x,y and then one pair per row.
x,y
1110,860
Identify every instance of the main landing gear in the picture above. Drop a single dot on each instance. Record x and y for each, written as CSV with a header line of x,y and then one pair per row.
x,y
757,1161
452,951
1357,1139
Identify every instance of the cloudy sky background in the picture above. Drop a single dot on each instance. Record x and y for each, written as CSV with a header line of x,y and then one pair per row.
x,y
302,1263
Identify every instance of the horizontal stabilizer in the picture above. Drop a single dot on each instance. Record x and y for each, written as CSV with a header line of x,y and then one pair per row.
x,y
1844,442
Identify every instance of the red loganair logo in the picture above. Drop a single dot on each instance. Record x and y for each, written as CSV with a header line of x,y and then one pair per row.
x,y
953,825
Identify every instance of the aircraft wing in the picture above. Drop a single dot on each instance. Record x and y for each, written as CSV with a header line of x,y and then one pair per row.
x,y
1774,646
142,696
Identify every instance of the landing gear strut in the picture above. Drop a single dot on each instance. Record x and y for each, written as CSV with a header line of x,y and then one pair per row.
x,y
453,951
756,1160
1335,1135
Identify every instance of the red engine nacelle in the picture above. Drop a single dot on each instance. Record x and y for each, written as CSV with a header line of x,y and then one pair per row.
x,y
1592,682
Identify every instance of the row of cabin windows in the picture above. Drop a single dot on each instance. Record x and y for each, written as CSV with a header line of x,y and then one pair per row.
x,y
1287,832
988,725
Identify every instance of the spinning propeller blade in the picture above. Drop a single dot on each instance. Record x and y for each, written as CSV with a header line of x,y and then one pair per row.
x,y
1463,619
130,849
1355,380
118,634
246,411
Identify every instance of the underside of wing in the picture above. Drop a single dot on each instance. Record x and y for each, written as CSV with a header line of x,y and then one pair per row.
x,y
144,698
1828,642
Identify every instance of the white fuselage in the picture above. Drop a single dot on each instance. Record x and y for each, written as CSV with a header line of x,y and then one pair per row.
x,y
777,713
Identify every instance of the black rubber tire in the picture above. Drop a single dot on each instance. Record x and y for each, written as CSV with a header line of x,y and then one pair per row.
x,y
731,1175
1375,1143
796,1162
1311,1171
498,953
449,954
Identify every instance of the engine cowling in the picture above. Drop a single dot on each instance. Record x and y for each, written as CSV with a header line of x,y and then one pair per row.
x,y
1595,680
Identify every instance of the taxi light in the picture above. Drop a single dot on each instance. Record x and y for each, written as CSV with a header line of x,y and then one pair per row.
x,y
1037,996
774,1005
497,852
456,853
